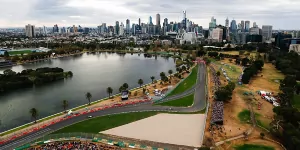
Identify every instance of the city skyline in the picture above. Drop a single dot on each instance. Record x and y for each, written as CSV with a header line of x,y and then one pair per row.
x,y
92,13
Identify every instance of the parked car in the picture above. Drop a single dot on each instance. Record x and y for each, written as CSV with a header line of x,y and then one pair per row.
x,y
90,116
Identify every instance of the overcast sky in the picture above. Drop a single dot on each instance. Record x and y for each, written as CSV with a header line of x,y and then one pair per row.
x,y
282,14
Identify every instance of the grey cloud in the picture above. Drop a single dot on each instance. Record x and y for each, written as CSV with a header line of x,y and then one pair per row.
x,y
272,12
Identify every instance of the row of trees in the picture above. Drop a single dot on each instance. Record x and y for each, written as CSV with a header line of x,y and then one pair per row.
x,y
286,124
287,63
11,80
252,70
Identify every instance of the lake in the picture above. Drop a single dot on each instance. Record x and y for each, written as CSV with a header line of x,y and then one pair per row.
x,y
92,73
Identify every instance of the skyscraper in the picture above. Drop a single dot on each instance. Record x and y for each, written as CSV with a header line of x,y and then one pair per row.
x,y
45,30
55,28
213,23
139,21
267,31
184,20
158,20
254,24
127,26
117,27
227,22
150,20
242,26
30,30
121,32
247,26
233,26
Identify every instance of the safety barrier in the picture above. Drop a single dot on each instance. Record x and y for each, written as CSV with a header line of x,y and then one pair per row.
x,y
54,121
96,138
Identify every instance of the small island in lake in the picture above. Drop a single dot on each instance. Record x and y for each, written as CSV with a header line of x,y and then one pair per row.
x,y
11,80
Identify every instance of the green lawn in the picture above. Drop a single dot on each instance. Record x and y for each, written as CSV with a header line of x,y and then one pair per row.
x,y
244,116
187,83
253,147
296,101
19,52
98,124
182,102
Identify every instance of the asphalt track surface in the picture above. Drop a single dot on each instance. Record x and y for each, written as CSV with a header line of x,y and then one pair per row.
x,y
199,104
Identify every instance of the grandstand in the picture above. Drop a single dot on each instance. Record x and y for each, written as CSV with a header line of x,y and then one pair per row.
x,y
83,141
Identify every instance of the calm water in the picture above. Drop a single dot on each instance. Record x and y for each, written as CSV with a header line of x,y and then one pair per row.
x,y
92,73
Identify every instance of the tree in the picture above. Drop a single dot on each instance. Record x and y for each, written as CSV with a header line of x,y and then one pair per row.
x,y
34,113
223,94
230,60
245,61
121,88
170,72
152,78
183,68
109,91
165,79
218,73
262,135
162,74
125,85
9,72
140,82
65,104
88,96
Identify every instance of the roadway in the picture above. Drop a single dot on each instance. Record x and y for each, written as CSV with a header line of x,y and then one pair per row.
x,y
199,104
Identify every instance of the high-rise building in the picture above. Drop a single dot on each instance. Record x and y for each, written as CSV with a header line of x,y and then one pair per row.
x,y
254,31
233,26
267,31
45,30
247,26
184,22
213,23
30,30
117,27
254,24
227,22
127,26
121,29
139,21
150,20
158,19
242,27
55,28
217,34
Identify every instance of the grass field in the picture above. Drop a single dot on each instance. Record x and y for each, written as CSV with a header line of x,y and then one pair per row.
x,y
253,147
19,52
187,83
95,125
244,117
182,102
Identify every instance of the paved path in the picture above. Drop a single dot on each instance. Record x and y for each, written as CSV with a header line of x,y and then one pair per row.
x,y
199,104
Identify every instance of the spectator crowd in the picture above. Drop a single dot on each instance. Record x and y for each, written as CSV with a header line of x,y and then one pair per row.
x,y
75,145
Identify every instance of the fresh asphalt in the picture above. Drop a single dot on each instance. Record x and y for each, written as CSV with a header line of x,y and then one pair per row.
x,y
199,104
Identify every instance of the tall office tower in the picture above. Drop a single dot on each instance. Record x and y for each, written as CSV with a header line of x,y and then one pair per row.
x,y
30,30
103,28
45,30
247,26
55,28
165,22
121,29
133,29
117,27
150,20
254,24
139,21
213,23
233,26
242,26
227,22
127,26
267,31
158,20
184,20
